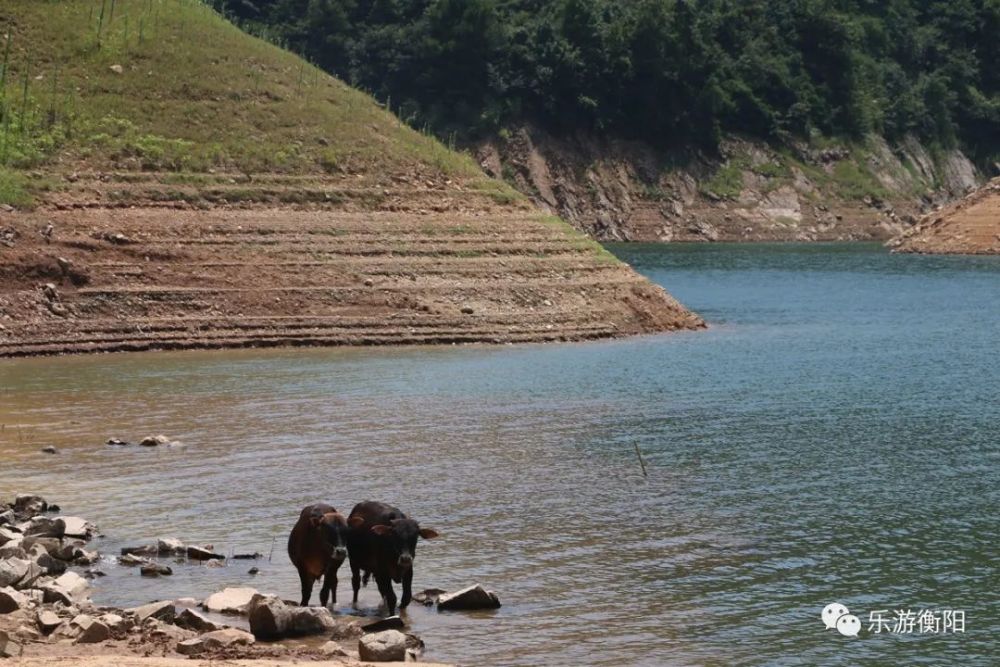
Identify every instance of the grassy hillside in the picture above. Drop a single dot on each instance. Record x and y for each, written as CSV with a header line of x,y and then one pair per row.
x,y
169,85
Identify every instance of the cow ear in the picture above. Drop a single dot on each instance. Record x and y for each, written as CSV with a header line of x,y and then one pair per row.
x,y
356,521
429,533
381,530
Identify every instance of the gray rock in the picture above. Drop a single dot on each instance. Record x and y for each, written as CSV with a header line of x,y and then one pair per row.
x,y
6,517
74,584
118,625
32,578
27,504
160,630
9,535
11,601
12,550
169,546
189,619
163,611
8,647
429,596
228,637
42,526
154,441
270,619
77,527
49,449
193,646
230,601
155,570
332,649
118,442
129,560
145,550
387,646
383,624
473,597
12,571
92,631
51,544
44,560
48,621
199,553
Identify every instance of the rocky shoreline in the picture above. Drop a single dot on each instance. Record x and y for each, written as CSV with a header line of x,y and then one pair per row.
x,y
46,610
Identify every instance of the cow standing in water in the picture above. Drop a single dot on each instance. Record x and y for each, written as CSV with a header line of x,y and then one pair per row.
x,y
317,547
383,543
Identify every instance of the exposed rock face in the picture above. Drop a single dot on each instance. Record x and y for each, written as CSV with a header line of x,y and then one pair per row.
x,y
387,646
618,190
970,226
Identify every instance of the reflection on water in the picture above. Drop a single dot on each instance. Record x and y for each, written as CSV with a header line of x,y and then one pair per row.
x,y
833,437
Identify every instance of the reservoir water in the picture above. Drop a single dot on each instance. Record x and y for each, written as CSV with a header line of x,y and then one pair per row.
x,y
833,437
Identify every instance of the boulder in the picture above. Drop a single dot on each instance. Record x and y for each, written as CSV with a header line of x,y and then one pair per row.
x,y
189,619
145,550
118,625
167,631
163,611
6,517
43,526
10,535
74,584
169,546
332,649
76,527
51,544
429,596
155,570
92,631
8,551
44,560
193,646
130,560
11,601
473,597
8,647
32,577
382,624
13,570
271,619
387,646
27,504
218,639
230,601
154,441
347,627
48,621
199,553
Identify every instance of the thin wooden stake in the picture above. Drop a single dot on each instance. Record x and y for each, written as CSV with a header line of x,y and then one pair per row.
x,y
641,461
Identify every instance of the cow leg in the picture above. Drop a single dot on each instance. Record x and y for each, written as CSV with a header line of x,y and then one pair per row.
x,y
407,589
307,587
355,581
385,588
329,585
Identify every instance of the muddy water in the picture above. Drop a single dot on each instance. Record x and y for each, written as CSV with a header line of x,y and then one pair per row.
x,y
834,437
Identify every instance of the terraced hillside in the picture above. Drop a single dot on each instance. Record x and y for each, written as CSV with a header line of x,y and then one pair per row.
x,y
179,184
970,226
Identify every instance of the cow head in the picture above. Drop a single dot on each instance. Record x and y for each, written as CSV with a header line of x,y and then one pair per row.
x,y
334,528
401,536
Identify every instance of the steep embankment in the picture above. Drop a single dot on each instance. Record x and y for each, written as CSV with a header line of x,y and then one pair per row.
x,y
970,226
196,187
753,192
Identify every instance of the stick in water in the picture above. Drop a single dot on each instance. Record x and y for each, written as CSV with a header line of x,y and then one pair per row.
x,y
272,548
641,462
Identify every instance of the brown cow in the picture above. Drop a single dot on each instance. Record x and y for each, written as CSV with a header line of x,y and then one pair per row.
x,y
317,547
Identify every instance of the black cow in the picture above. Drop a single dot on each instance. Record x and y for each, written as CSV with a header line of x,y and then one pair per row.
x,y
317,547
383,543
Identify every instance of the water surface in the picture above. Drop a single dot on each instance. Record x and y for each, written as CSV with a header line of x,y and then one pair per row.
x,y
835,436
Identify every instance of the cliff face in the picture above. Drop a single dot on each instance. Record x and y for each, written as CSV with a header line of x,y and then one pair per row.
x,y
970,226
619,190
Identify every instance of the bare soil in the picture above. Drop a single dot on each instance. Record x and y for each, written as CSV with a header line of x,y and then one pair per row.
x,y
970,226
124,262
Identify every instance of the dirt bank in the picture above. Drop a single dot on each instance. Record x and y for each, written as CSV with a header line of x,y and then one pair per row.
x,y
135,661
122,262
750,191
970,226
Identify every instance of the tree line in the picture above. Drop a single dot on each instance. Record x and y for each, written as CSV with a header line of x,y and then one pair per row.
x,y
669,72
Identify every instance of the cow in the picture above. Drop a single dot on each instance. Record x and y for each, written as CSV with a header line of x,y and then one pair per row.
x,y
383,543
317,547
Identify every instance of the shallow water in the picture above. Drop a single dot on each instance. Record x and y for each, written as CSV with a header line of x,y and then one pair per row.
x,y
834,437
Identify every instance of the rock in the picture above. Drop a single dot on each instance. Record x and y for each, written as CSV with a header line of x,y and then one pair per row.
x,y
154,441
92,630
41,526
49,450
169,546
198,553
31,577
11,600
8,648
270,619
189,619
162,611
429,596
468,310
48,621
155,570
193,646
118,625
29,505
387,646
347,627
74,584
77,527
253,571
230,601
12,571
227,637
186,602
383,624
332,649
44,560
117,69
129,560
6,517
10,534
118,442
94,573
12,550
160,630
473,597
253,556
145,550
51,544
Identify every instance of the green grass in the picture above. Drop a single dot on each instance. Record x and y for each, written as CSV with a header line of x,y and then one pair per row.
x,y
853,181
194,93
727,181
14,189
